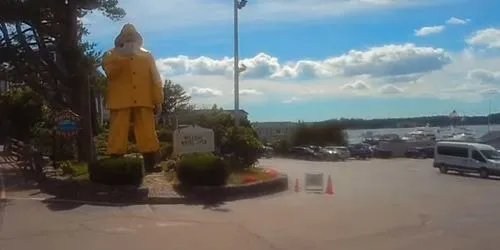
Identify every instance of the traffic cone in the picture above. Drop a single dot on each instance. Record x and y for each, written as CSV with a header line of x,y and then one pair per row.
x,y
297,188
329,186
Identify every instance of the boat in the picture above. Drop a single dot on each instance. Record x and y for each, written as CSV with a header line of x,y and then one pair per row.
x,y
457,133
421,134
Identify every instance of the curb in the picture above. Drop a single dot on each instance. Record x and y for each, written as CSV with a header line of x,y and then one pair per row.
x,y
68,191
232,193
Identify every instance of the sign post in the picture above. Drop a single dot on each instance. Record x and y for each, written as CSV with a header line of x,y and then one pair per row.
x,y
193,139
314,182
67,126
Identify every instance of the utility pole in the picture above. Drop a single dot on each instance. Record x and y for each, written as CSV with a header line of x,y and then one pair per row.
x,y
238,5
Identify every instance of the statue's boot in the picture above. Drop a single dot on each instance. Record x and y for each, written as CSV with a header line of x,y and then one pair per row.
x,y
149,162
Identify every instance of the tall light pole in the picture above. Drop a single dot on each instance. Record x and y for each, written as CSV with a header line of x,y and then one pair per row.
x,y
238,5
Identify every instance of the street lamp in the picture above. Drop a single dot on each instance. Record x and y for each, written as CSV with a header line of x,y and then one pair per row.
x,y
238,5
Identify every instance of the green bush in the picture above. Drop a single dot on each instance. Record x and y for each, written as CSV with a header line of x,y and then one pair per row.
x,y
243,147
117,171
165,135
165,151
73,169
66,168
101,143
202,170
22,109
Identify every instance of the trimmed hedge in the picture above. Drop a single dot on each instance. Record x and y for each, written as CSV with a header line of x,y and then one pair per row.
x,y
117,171
202,169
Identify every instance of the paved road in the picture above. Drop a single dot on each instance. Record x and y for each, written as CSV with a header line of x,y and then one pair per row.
x,y
379,204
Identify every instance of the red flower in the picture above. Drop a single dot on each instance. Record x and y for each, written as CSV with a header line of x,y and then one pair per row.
x,y
249,179
271,172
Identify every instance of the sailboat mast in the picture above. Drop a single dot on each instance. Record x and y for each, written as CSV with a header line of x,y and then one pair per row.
x,y
489,114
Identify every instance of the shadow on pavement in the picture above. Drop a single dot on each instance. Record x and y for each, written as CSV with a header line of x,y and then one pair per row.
x,y
466,175
61,206
16,180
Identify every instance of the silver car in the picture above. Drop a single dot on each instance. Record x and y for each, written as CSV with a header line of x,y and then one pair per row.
x,y
341,152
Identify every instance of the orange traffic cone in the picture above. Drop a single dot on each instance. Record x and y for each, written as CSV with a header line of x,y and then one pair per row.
x,y
329,186
297,188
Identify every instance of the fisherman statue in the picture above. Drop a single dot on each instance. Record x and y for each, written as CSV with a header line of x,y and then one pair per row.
x,y
134,96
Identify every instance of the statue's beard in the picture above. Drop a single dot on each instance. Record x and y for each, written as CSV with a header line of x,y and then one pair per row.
x,y
129,47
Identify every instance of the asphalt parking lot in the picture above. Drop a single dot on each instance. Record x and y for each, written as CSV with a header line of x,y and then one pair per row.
x,y
378,204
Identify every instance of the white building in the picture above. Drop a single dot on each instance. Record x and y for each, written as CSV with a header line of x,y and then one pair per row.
x,y
274,131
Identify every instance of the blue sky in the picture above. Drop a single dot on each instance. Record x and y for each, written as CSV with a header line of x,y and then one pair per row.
x,y
322,59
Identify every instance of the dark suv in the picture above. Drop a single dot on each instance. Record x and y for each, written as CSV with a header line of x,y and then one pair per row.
x,y
360,151
420,152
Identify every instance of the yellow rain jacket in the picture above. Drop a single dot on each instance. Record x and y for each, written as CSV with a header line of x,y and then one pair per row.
x,y
133,81
134,89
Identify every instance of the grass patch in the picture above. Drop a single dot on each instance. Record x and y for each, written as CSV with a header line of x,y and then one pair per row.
x,y
80,169
75,170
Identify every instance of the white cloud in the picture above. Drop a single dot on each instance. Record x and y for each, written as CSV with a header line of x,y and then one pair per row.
x,y
203,92
489,37
357,85
384,61
389,60
484,76
249,92
492,92
468,76
457,21
431,30
291,100
390,89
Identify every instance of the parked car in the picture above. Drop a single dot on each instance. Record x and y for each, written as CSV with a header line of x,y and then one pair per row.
x,y
360,151
305,153
420,152
266,152
329,154
341,152
381,153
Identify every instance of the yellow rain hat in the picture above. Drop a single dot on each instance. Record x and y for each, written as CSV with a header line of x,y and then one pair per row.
x,y
128,30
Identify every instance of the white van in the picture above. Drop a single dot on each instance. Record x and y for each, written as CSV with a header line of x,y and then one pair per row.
x,y
466,157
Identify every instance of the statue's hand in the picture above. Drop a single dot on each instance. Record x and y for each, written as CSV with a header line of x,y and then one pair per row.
x,y
157,109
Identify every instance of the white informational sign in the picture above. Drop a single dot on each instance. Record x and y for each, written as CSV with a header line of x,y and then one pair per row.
x,y
2,148
314,182
193,139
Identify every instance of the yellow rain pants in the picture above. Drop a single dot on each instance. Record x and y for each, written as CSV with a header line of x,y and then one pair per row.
x,y
144,130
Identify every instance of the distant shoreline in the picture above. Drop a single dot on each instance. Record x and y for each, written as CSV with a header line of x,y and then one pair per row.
x,y
497,124
412,122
